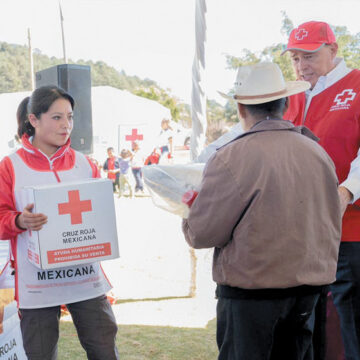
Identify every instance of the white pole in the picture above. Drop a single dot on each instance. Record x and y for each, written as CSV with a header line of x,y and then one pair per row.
x,y
198,109
62,33
198,94
32,81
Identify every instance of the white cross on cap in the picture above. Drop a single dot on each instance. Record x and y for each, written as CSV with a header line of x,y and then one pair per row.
x,y
301,34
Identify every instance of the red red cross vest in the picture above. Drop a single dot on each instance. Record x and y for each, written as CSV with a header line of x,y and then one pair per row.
x,y
334,116
36,288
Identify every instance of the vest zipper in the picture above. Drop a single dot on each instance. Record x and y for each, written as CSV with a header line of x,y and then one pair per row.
x,y
53,170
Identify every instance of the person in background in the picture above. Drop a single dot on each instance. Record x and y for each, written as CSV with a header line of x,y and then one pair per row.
x,y
124,166
273,254
45,121
153,158
331,109
96,162
166,139
137,162
111,167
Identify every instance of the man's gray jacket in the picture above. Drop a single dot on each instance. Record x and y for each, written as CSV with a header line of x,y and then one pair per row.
x,y
269,206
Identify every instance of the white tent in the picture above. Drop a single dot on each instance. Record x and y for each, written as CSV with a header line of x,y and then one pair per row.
x,y
8,106
118,116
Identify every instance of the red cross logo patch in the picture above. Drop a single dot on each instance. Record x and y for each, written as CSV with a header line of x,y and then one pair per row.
x,y
344,97
75,207
134,136
301,34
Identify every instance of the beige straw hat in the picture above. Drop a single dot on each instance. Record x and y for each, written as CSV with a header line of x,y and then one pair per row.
x,y
262,83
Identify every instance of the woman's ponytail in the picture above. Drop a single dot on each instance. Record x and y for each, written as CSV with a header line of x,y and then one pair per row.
x,y
24,126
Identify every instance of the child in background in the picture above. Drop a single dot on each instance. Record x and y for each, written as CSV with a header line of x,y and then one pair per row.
x,y
166,139
111,167
137,162
124,165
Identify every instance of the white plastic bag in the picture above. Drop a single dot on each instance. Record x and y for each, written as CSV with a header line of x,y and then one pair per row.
x,y
11,345
168,183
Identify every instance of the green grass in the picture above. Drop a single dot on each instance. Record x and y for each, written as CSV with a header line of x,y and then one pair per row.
x,y
137,342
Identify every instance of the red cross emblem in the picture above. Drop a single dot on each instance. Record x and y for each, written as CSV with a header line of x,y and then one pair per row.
x,y
134,136
75,207
345,96
301,34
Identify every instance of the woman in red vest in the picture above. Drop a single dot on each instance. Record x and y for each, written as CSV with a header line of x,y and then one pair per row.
x,y
45,122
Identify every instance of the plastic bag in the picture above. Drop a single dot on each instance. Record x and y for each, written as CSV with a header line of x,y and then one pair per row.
x,y
11,343
168,183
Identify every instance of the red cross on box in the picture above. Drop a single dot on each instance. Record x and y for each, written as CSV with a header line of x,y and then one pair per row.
x,y
75,207
134,136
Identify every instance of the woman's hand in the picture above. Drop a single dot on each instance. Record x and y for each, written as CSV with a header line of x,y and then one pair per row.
x,y
30,221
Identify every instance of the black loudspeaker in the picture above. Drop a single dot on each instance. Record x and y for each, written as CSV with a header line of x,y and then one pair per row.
x,y
76,80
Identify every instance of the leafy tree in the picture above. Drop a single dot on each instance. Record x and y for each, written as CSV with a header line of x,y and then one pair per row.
x,y
287,25
162,97
348,46
216,120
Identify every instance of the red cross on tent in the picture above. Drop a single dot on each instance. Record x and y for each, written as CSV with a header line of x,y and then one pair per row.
x,y
134,136
75,207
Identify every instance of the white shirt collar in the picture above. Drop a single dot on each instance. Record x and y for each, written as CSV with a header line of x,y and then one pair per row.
x,y
325,81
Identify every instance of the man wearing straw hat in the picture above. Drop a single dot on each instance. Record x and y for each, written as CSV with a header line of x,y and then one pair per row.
x,y
331,109
268,204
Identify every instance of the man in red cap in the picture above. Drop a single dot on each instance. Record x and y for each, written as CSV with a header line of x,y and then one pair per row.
x,y
331,109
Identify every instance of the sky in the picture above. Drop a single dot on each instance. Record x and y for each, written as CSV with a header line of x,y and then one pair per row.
x,y
156,38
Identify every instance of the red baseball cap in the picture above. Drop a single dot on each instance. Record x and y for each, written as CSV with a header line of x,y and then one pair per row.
x,y
310,37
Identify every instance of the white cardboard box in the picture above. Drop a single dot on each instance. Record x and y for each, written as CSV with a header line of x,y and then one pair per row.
x,y
81,225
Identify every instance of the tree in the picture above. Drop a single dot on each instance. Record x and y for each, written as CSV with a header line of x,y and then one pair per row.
x,y
162,97
287,24
348,46
216,120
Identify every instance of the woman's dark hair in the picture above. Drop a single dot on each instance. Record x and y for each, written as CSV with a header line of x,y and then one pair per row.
x,y
39,103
